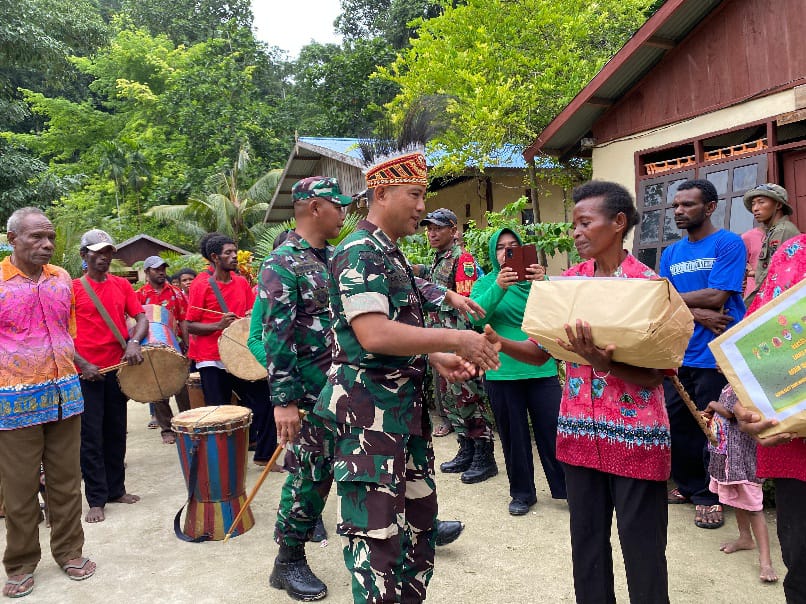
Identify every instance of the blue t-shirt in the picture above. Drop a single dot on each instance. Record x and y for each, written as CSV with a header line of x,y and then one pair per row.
x,y
716,262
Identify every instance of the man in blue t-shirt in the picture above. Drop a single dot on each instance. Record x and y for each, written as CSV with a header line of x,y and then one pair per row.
x,y
707,268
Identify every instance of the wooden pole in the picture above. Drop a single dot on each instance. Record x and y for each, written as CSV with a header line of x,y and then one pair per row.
x,y
255,489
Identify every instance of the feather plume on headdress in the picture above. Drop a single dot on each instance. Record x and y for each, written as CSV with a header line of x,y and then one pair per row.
x,y
394,158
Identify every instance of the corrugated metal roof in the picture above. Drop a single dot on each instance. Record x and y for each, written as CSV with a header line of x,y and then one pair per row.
x,y
341,157
664,30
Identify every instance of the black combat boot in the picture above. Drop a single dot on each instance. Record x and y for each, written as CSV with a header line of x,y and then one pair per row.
x,y
463,458
483,466
292,573
448,531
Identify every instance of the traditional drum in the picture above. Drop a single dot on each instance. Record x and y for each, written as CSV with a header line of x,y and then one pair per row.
x,y
235,354
164,370
195,392
213,446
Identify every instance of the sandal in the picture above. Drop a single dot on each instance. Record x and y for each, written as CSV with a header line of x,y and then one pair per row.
x,y
17,583
78,566
443,429
675,496
709,516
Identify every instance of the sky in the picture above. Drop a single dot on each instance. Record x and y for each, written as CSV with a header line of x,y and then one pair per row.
x,y
291,24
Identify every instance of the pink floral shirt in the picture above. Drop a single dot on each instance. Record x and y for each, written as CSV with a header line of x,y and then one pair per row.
x,y
787,268
38,381
608,424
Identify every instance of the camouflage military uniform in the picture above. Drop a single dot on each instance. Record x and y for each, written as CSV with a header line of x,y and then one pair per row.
x,y
384,461
291,324
464,402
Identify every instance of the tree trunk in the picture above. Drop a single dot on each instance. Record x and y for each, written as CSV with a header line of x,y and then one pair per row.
x,y
532,172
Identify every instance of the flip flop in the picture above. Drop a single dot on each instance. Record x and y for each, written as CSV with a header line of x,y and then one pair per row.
x,y
18,582
443,429
704,512
69,567
675,496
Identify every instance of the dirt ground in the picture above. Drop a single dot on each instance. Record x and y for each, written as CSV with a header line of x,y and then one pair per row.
x,y
498,559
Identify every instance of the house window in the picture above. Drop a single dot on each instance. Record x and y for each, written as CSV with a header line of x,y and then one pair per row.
x,y
527,217
656,229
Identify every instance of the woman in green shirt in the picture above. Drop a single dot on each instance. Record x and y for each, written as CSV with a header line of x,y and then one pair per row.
x,y
519,393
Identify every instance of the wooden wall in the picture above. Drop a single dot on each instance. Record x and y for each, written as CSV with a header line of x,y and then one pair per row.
x,y
746,48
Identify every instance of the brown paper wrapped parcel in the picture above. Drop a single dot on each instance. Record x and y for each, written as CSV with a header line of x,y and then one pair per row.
x,y
646,319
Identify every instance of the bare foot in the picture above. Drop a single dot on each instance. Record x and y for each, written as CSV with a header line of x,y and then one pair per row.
x,y
127,498
79,569
168,438
95,515
768,574
734,546
18,585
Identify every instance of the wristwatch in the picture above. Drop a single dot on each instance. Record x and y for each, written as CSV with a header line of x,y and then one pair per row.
x,y
135,340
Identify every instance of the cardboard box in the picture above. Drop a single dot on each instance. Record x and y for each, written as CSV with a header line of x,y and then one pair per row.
x,y
646,319
764,359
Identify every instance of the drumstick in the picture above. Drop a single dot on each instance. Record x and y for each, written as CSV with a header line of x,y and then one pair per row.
x,y
693,408
216,312
257,486
112,367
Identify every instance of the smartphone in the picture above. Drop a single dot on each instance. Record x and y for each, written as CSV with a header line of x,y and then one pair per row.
x,y
518,258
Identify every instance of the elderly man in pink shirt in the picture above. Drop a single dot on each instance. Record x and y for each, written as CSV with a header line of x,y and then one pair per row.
x,y
40,405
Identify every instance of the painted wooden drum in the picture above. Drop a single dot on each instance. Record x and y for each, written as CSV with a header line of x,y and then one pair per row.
x,y
195,392
164,369
219,436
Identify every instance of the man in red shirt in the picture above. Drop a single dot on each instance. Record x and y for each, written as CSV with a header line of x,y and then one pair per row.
x,y
103,302
159,292
215,301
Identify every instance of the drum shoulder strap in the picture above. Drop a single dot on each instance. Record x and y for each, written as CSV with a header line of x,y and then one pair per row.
x,y
217,291
103,312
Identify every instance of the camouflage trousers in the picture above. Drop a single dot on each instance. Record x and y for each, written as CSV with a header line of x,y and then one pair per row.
x,y
309,462
466,406
387,512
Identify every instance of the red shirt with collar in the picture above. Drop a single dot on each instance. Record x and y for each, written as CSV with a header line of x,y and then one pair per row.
x,y
94,340
240,299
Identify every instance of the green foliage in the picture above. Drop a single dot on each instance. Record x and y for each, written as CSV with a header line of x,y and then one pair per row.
x,y
177,262
507,67
550,237
387,19
226,207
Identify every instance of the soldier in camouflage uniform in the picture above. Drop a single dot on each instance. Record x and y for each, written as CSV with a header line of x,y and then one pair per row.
x,y
373,399
291,335
464,402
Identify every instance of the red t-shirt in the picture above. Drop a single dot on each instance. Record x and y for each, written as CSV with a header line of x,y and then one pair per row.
x,y
170,297
239,298
94,340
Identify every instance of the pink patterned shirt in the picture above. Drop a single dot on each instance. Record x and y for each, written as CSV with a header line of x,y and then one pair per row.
x,y
608,424
38,379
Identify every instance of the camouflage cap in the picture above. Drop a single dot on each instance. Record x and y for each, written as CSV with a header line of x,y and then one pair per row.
x,y
320,186
442,217
771,191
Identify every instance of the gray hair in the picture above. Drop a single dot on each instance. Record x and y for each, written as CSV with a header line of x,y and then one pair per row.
x,y
15,220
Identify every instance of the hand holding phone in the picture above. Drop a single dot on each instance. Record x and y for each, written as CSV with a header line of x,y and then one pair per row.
x,y
518,258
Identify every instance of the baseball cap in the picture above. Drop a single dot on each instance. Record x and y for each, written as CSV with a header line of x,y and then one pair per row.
x,y
153,262
96,240
442,217
772,191
319,186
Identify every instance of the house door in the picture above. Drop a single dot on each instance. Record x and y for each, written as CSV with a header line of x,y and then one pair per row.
x,y
794,165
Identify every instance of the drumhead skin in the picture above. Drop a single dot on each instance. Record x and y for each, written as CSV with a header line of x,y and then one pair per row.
x,y
235,354
162,374
220,418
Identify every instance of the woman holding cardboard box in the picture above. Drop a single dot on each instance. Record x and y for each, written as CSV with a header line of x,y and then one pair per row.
x,y
613,431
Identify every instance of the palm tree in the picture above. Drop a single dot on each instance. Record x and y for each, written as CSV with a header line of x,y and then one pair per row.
x,y
113,163
225,208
